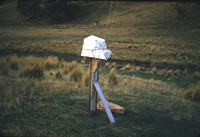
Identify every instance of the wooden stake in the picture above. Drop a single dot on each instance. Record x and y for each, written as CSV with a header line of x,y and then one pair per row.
x,y
92,90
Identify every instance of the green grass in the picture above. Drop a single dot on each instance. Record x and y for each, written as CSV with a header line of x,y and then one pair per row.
x,y
180,82
64,115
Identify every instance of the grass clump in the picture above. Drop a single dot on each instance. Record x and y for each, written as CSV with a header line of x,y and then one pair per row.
x,y
113,65
72,66
112,80
51,63
107,65
193,93
76,74
36,71
86,78
127,67
65,67
22,90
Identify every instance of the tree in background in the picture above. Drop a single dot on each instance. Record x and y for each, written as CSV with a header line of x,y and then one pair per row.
x,y
54,11
181,9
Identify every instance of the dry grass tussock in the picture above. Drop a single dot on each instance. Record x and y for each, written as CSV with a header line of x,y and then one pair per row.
x,y
112,78
113,65
86,78
15,91
64,66
127,67
51,63
30,60
35,71
76,73
107,64
73,65
193,93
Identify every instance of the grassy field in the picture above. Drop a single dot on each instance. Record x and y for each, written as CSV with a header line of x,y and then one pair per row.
x,y
51,103
155,66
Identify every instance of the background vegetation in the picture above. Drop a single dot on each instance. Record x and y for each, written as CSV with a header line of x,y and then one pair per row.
x,y
53,11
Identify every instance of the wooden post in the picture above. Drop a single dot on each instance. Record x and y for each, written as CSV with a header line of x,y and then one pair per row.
x,y
92,90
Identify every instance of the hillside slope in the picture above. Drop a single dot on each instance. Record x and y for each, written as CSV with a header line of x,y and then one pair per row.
x,y
122,13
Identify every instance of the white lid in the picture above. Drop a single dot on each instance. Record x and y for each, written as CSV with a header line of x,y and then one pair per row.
x,y
95,47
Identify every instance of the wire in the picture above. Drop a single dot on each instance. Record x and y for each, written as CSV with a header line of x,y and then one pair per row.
x,y
112,22
108,19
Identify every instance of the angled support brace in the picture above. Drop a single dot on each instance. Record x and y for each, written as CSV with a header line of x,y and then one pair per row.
x,y
108,112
